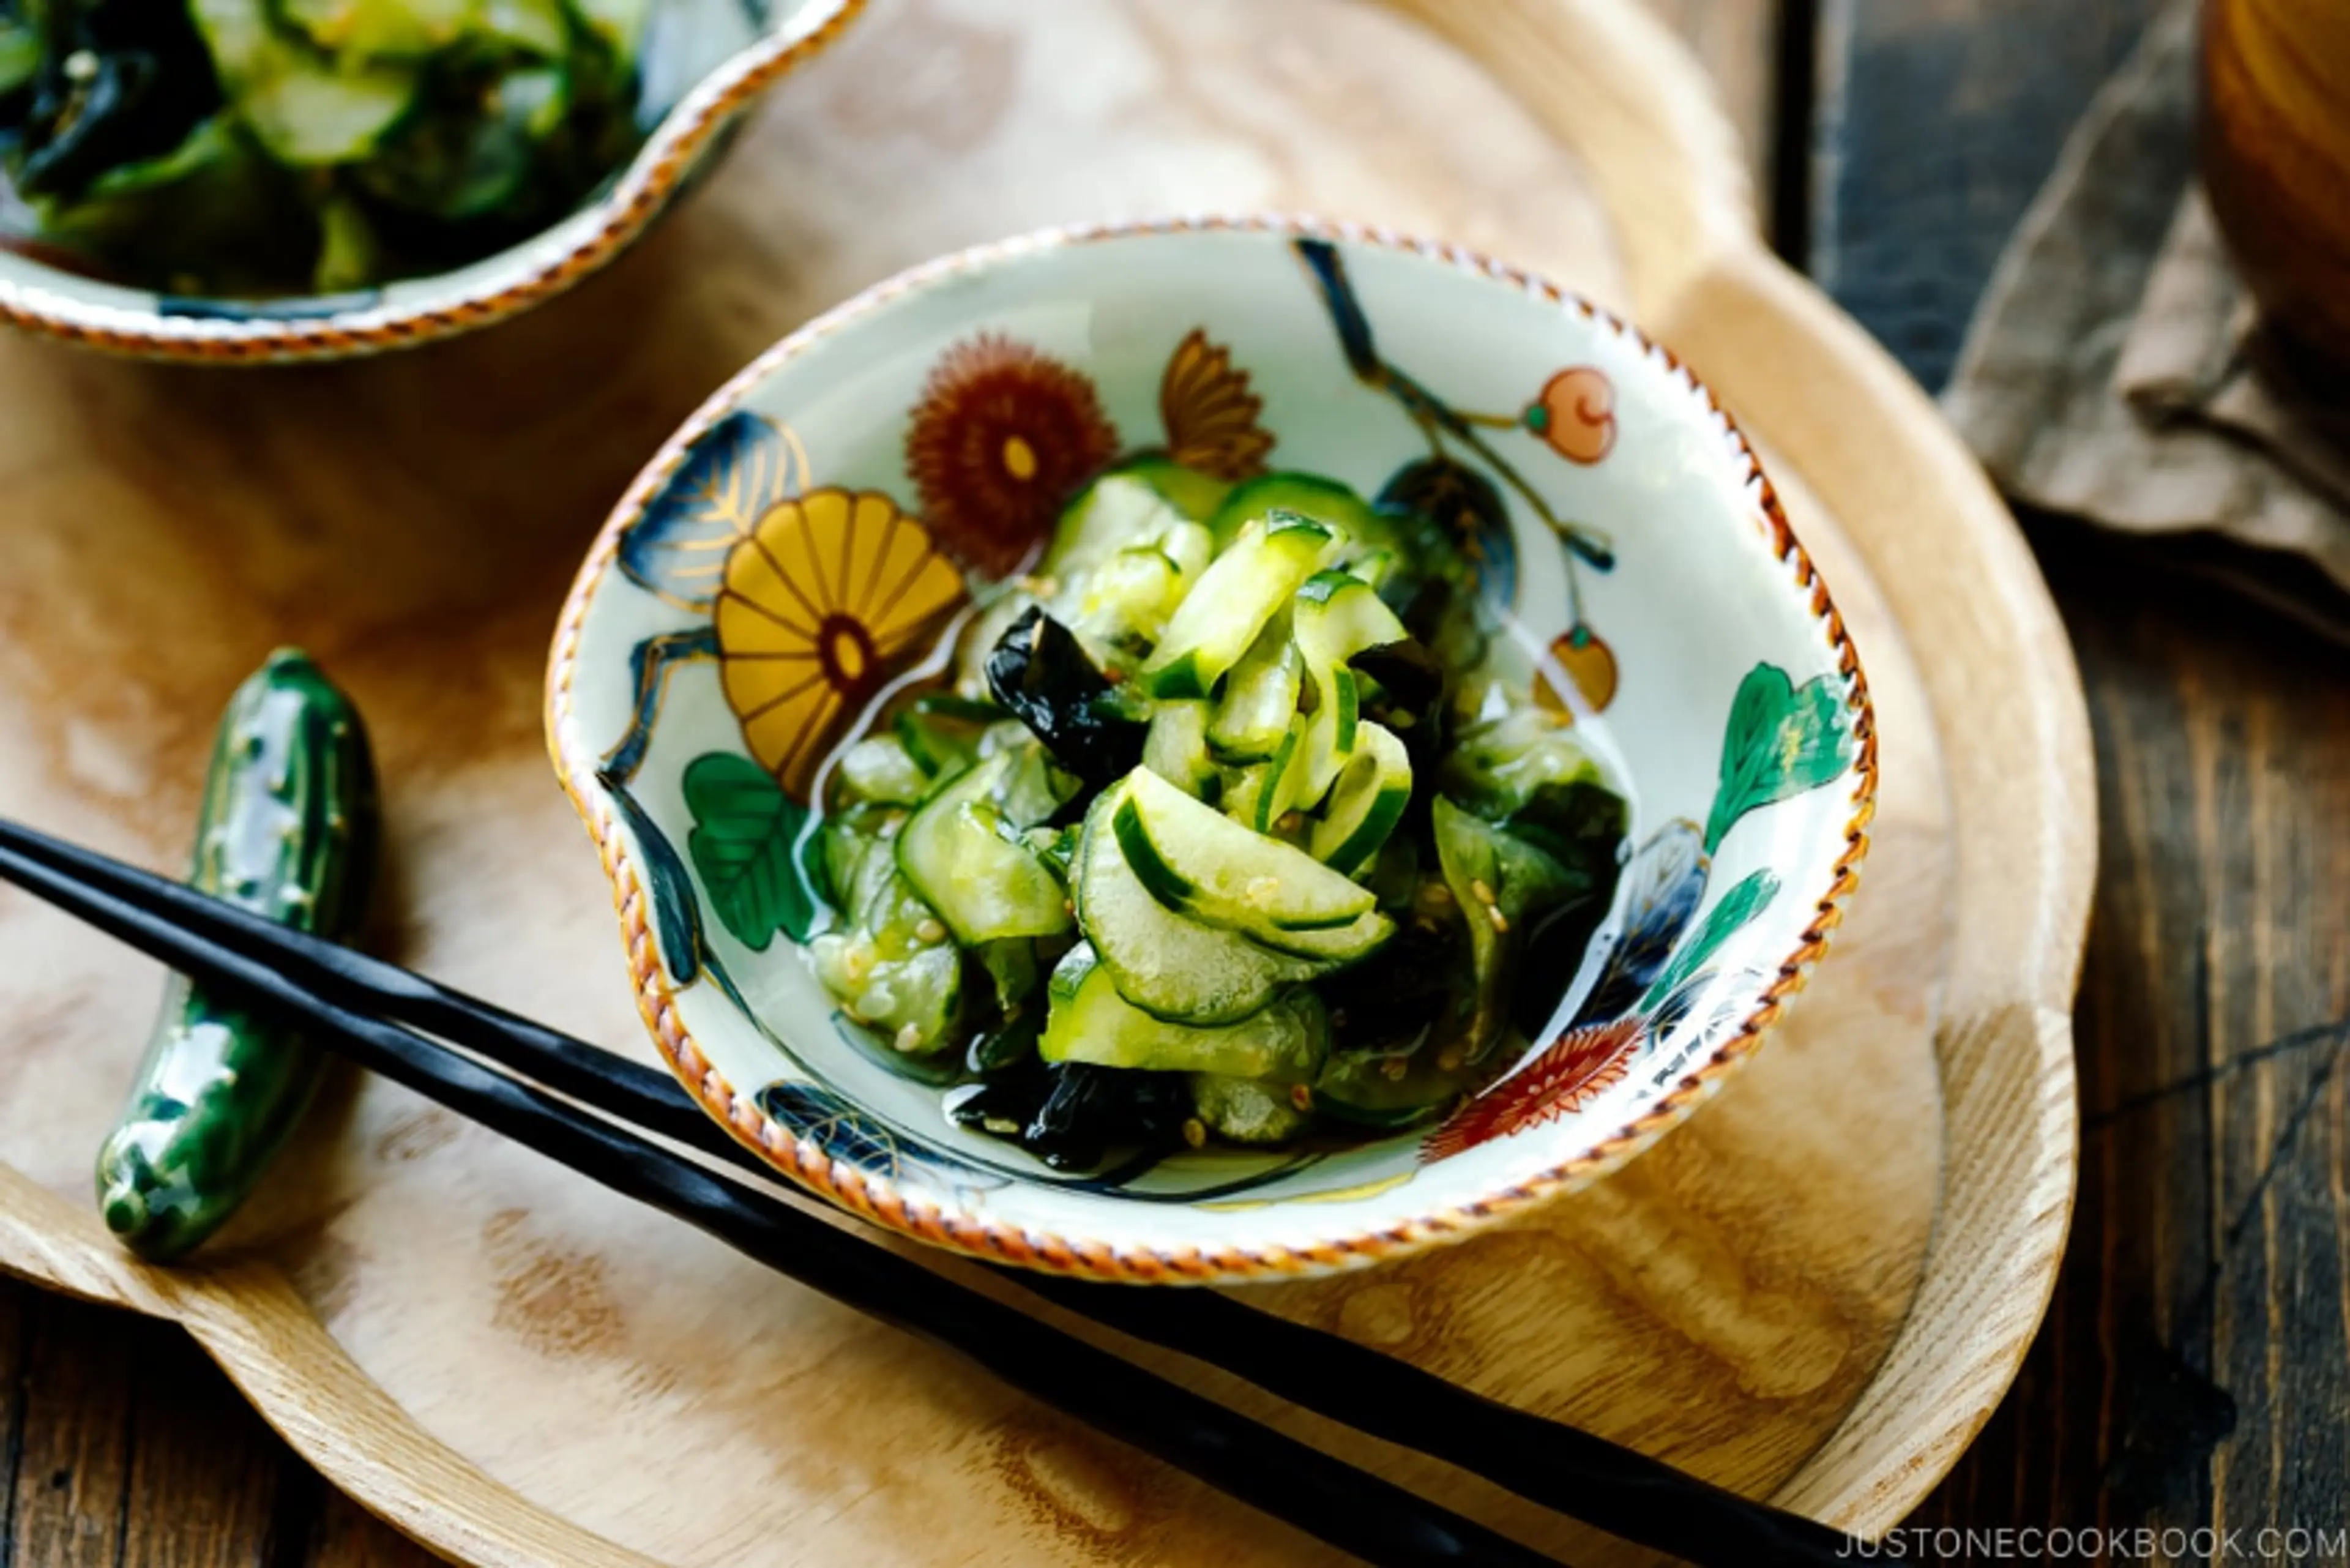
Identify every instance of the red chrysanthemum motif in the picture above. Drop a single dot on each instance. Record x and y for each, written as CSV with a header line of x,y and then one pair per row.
x,y
1002,438
1568,1075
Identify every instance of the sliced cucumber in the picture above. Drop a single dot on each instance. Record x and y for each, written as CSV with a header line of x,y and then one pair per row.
x,y
1168,966
943,732
1195,494
986,885
1385,1092
1225,610
1111,514
1260,700
1129,593
1176,748
1091,1022
1201,863
880,768
1255,1111
1032,789
1307,494
1365,805
300,107
884,971
1337,615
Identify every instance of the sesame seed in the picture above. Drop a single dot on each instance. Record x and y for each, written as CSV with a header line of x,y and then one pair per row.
x,y
1195,1132
1290,822
1484,893
1501,921
931,931
909,1039
82,66
1302,1097
1438,893
1393,1069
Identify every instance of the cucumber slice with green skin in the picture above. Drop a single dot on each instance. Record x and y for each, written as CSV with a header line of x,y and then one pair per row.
x,y
1306,495
1260,700
1114,511
1171,967
1197,495
1090,1020
1199,862
1033,789
894,969
986,886
1257,1112
1337,615
1128,596
302,108
1365,805
880,768
943,733
382,29
1358,1089
1225,610
1176,748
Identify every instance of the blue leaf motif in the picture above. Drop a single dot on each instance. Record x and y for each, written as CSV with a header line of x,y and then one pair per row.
x,y
848,1135
1663,885
735,471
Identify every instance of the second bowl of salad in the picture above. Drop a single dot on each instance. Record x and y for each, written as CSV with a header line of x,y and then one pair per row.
x,y
1209,750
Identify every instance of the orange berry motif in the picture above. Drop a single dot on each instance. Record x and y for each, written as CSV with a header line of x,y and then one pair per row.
x,y
1587,662
1575,414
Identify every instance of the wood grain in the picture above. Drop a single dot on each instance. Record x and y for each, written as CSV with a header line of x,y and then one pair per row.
x,y
1935,123
410,516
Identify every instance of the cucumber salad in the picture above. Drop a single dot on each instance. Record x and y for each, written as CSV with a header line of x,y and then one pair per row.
x,y
249,148
1232,821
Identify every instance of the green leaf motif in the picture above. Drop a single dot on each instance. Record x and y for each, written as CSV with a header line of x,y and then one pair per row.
x,y
745,833
1783,740
1749,898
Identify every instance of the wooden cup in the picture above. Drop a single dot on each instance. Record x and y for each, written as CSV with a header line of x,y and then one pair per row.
x,y
2276,158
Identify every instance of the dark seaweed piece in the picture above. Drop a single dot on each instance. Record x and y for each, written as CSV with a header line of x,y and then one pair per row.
x,y
1407,672
1040,672
1379,1007
1093,1109
1579,825
119,81
1071,1115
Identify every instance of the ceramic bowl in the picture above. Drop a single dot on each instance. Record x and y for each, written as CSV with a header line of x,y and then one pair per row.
x,y
706,63
1705,654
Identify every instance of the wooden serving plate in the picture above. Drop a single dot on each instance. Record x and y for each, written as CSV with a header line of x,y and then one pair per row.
x,y
1816,1292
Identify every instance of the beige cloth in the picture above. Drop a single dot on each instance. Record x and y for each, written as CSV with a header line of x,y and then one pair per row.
x,y
2115,370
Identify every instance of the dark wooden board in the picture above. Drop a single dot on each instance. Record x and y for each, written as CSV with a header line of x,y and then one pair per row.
x,y
1933,123
2194,1368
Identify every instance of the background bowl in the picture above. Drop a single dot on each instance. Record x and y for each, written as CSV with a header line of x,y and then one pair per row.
x,y
1725,685
706,63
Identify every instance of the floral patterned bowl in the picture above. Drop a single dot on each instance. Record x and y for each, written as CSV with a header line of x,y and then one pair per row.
x,y
869,475
706,63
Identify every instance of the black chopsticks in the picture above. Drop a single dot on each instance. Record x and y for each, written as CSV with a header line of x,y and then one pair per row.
x,y
371,1011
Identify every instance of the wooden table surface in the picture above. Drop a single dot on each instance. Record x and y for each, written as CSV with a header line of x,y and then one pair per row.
x,y
2195,1367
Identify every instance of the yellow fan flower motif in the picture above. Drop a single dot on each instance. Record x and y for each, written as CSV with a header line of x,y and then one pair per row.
x,y
823,596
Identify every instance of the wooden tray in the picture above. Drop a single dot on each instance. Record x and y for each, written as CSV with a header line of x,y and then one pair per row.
x,y
1816,1292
